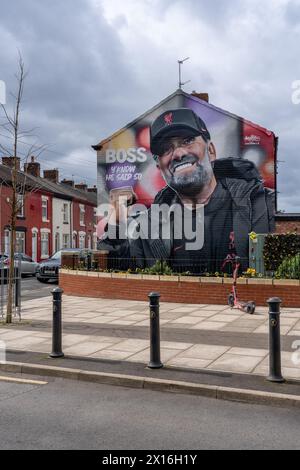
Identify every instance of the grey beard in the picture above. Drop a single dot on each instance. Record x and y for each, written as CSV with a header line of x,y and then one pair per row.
x,y
194,183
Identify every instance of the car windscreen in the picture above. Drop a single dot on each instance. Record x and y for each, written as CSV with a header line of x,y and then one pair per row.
x,y
56,255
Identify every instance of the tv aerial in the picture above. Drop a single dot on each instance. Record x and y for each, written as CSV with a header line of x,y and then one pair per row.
x,y
180,83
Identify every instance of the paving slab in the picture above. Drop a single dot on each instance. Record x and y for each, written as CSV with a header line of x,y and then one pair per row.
x,y
111,354
227,318
186,320
208,325
25,342
236,363
294,333
203,313
204,351
248,352
188,363
131,345
85,349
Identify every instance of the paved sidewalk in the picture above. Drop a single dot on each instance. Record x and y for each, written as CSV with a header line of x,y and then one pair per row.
x,y
208,337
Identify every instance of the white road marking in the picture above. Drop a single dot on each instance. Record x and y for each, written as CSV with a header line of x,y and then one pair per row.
x,y
4,378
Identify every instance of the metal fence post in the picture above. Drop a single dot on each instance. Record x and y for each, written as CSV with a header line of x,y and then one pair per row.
x,y
18,277
274,341
155,362
2,278
57,324
89,262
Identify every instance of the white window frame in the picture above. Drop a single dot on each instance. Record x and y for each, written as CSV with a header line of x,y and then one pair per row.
x,y
65,213
45,201
34,236
20,235
65,241
45,235
81,214
20,205
7,236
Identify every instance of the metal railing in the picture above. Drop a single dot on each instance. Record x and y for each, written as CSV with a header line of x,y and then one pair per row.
x,y
182,266
16,288
289,269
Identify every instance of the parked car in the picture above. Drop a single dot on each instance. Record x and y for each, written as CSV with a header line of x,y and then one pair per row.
x,y
28,266
48,270
3,270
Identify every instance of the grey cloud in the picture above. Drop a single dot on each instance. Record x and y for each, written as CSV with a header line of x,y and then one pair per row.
x,y
292,13
74,57
217,13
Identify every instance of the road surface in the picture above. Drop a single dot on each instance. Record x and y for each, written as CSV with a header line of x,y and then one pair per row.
x,y
65,414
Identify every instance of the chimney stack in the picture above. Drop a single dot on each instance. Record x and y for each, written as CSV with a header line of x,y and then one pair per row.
x,y
32,168
68,182
10,162
51,175
201,96
81,187
93,189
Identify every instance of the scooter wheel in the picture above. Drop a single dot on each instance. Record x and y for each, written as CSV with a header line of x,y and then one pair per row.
x,y
230,300
250,308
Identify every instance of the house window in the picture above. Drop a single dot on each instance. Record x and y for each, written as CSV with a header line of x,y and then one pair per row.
x,y
95,217
66,213
81,214
20,205
82,241
44,209
20,242
44,245
66,241
7,242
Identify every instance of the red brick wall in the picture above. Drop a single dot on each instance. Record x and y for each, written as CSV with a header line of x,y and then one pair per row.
x,y
285,226
182,292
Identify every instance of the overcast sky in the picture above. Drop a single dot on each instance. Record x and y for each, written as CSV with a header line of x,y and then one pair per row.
x,y
94,65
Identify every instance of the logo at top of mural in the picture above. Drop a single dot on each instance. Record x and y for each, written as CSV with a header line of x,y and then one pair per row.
x,y
168,118
252,139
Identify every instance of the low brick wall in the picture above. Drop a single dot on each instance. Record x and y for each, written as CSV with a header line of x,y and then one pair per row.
x,y
180,289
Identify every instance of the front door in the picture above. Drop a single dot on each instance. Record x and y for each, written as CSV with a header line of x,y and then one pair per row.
x,y
34,246
57,244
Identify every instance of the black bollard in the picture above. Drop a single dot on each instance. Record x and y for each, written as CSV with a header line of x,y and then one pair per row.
x,y
274,341
155,362
57,326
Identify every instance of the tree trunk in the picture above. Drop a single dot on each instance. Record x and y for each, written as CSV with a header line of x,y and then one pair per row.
x,y
11,275
12,251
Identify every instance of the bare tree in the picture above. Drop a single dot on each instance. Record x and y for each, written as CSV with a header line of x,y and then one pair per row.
x,y
17,181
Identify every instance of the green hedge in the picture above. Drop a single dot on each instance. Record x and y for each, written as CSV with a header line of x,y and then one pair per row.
x,y
289,268
279,247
